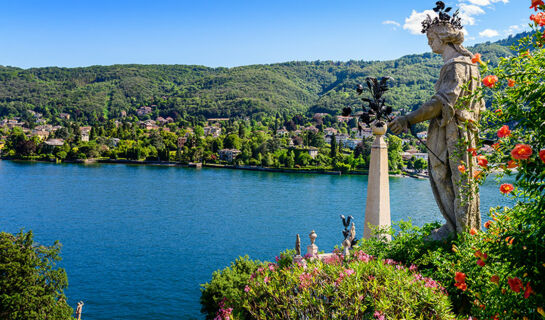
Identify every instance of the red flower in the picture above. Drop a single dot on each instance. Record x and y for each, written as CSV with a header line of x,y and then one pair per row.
x,y
528,291
481,161
511,83
512,164
499,112
515,284
487,224
480,263
473,231
504,132
506,188
490,81
542,155
462,286
460,277
536,3
539,18
521,152
477,58
462,168
473,151
495,279
496,146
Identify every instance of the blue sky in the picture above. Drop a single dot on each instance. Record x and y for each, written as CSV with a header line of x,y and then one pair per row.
x,y
231,33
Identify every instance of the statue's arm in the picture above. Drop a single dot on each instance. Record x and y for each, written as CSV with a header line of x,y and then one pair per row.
x,y
429,110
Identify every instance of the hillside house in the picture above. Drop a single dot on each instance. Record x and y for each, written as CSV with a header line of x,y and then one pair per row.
x,y
229,154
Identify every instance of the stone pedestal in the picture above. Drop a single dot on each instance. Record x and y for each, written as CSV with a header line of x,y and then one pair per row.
x,y
377,209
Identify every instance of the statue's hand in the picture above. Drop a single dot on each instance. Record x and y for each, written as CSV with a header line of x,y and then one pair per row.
x,y
399,124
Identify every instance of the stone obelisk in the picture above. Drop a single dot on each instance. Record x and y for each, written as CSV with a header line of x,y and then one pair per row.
x,y
377,209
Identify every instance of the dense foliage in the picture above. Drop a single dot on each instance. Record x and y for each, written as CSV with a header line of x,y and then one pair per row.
x,y
30,285
360,287
96,93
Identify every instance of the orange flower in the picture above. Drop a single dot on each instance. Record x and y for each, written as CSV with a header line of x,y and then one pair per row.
x,y
515,284
473,231
478,174
473,151
499,112
487,224
542,155
460,277
495,279
462,168
536,3
539,19
504,132
511,83
490,81
481,161
512,164
477,58
521,152
462,286
541,311
496,146
506,188
527,53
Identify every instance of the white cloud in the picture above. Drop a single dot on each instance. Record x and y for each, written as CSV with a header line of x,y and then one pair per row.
x,y
391,22
468,11
504,1
480,2
489,33
414,22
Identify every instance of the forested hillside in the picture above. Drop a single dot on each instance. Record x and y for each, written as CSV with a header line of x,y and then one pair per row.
x,y
181,91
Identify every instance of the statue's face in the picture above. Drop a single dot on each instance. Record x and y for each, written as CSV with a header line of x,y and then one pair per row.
x,y
436,45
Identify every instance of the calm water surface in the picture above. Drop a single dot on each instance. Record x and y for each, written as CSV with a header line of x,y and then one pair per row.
x,y
138,240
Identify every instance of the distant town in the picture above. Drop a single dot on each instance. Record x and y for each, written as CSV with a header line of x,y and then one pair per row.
x,y
301,142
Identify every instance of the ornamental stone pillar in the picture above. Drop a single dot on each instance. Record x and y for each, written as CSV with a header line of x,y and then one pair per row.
x,y
377,209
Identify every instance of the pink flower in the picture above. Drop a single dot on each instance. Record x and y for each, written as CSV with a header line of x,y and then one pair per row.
x,y
413,268
348,272
379,315
266,279
247,288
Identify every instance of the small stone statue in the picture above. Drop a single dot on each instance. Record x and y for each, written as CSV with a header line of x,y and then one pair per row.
x,y
312,249
349,241
346,232
79,310
297,246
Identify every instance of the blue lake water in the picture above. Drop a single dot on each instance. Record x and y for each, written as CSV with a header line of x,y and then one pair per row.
x,y
138,240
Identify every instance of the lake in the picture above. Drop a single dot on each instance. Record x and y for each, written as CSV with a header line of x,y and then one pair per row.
x,y
138,240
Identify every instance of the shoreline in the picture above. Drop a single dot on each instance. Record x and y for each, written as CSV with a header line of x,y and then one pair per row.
x,y
218,166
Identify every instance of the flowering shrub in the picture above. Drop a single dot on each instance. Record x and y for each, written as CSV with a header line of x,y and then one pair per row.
x,y
360,288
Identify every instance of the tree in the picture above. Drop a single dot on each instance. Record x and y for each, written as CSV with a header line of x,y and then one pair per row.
x,y
333,151
232,141
30,286
420,164
395,148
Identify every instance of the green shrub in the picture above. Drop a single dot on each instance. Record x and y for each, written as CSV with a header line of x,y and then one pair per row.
x,y
228,284
361,288
30,287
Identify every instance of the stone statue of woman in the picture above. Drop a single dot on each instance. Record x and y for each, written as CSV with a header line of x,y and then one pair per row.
x,y
451,122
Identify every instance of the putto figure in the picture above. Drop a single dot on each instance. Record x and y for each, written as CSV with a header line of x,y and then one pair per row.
x,y
451,123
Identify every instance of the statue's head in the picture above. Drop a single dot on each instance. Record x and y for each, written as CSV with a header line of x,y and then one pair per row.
x,y
444,30
443,34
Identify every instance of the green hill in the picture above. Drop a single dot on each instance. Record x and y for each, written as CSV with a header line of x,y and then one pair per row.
x,y
183,91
